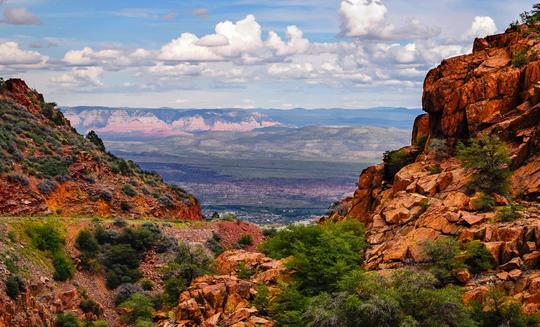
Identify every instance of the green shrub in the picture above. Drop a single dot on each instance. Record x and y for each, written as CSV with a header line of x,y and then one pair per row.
x,y
477,257
128,190
262,299
90,306
14,286
125,206
520,58
147,285
509,213
245,241
63,267
500,310
488,158
139,309
189,263
394,161
433,170
289,306
442,255
484,202
244,272
86,243
46,236
439,148
122,263
94,138
421,141
67,320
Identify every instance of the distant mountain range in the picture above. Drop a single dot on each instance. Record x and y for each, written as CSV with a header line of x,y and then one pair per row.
x,y
143,123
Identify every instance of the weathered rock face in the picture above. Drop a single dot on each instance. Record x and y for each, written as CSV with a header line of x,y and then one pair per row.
x,y
46,167
225,300
485,92
466,96
38,305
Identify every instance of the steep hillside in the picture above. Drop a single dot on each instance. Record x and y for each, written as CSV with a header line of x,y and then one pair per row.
x,y
46,167
423,192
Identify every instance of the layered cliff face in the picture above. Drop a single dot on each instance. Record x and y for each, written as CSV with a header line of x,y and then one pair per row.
x,y
493,91
46,167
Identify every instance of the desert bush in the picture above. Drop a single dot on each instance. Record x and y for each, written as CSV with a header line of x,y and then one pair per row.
x,y
215,246
433,170
87,243
90,306
128,190
520,58
442,255
483,202
421,141
120,222
477,257
51,166
189,263
488,158
94,138
67,320
46,236
497,309
17,179
125,291
147,285
47,187
262,299
245,241
125,206
121,262
14,286
394,161
439,148
139,309
167,202
270,232
63,267
509,213
244,272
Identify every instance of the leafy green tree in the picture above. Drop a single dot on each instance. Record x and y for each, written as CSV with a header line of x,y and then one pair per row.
x,y
442,254
489,159
531,17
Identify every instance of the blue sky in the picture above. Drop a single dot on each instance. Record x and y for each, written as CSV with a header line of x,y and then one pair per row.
x,y
239,53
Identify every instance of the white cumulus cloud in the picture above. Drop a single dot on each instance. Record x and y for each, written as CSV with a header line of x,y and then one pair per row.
x,y
482,26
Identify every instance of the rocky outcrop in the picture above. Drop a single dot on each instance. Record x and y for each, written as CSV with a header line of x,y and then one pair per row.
x,y
481,93
38,305
46,167
226,300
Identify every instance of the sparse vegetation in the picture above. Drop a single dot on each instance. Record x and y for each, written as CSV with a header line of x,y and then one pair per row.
x,y
483,202
14,286
139,309
488,158
245,241
439,148
394,161
94,138
509,213
67,320
520,58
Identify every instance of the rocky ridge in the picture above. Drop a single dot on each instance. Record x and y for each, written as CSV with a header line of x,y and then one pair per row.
x,y
46,167
487,92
